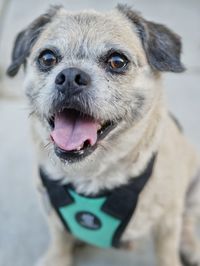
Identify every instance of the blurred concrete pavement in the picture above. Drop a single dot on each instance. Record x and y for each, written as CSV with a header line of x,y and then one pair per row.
x,y
23,233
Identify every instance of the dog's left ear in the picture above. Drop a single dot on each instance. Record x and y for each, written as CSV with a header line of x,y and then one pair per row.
x,y
26,39
162,46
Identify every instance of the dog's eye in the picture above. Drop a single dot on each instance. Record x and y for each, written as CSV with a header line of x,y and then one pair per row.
x,y
117,62
47,59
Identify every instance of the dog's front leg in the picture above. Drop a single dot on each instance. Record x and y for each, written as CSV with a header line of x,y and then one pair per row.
x,y
167,240
60,251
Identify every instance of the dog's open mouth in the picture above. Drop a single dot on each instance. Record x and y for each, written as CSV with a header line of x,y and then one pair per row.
x,y
76,135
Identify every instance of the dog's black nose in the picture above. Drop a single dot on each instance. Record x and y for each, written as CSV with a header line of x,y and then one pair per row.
x,y
72,81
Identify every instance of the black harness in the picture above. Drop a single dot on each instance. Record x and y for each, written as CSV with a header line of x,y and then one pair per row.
x,y
101,219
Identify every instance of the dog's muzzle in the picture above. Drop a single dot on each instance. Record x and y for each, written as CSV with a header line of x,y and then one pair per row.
x,y
75,132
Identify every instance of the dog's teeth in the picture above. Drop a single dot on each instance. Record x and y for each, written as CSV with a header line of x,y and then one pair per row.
x,y
80,147
99,127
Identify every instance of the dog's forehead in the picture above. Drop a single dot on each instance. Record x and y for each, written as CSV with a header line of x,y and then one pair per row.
x,y
91,31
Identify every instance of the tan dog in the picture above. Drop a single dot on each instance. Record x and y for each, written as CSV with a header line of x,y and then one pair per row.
x,y
93,82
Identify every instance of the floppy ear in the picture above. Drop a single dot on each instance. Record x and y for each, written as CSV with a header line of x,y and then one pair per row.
x,y
162,46
26,39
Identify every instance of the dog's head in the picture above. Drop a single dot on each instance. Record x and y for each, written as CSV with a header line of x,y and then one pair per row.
x,y
90,76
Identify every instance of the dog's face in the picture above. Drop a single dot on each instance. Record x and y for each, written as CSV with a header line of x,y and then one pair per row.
x,y
91,76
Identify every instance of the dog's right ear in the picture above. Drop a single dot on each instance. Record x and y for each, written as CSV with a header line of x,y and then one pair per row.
x,y
161,45
27,38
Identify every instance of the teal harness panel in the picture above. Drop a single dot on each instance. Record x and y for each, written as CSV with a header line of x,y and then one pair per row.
x,y
98,220
91,225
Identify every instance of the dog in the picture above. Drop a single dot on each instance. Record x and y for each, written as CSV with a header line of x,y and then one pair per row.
x,y
100,124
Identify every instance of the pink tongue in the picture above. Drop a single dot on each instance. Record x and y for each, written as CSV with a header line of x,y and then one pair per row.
x,y
72,130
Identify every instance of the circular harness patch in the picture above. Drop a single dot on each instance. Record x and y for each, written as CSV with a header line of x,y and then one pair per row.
x,y
88,220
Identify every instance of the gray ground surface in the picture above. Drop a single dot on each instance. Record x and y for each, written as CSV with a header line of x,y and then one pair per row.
x,y
23,232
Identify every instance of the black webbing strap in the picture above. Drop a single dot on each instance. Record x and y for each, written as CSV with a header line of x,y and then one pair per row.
x,y
123,200
58,194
